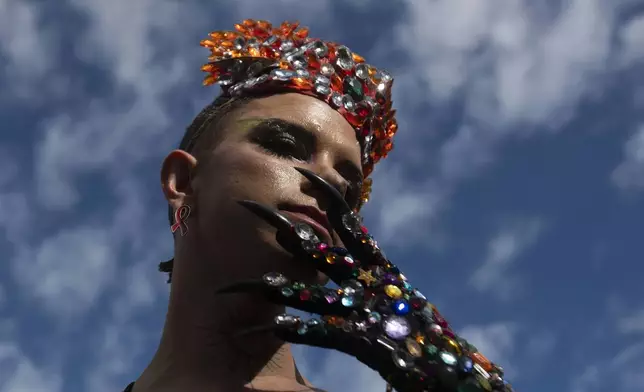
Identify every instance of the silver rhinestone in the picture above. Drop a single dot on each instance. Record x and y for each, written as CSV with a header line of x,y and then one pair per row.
x,y
448,358
326,69
336,98
386,342
352,222
236,89
344,58
283,74
385,76
239,43
321,79
435,328
225,80
270,40
286,46
275,279
302,73
261,79
322,89
298,61
287,320
362,71
348,103
361,326
320,49
252,42
305,231
403,360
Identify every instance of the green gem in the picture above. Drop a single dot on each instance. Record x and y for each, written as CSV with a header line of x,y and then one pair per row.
x,y
287,292
298,286
353,87
431,349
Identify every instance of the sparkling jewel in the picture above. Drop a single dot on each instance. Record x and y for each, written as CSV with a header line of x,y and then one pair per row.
x,y
362,71
322,246
331,297
321,79
287,292
437,329
396,327
352,288
384,341
431,349
352,222
322,89
283,74
349,260
305,231
326,69
402,359
344,58
400,307
302,329
466,365
413,347
320,49
275,279
393,291
348,301
336,99
305,295
348,103
331,258
302,73
374,318
417,303
286,320
427,313
353,87
419,294
448,358
366,277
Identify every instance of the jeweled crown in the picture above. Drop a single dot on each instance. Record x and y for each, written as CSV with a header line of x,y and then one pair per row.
x,y
259,56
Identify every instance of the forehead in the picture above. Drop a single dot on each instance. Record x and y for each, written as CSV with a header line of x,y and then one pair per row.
x,y
330,127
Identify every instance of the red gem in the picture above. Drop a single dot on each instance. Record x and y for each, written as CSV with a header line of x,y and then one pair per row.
x,y
417,303
305,295
322,246
448,332
364,230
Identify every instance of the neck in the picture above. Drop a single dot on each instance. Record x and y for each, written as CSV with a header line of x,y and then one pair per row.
x,y
201,349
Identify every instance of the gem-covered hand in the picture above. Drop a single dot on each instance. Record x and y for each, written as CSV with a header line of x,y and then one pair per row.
x,y
375,316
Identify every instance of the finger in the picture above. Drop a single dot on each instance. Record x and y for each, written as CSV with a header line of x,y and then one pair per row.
x,y
346,223
300,240
308,298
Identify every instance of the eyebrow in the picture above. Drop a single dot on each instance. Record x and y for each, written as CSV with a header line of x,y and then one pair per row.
x,y
349,170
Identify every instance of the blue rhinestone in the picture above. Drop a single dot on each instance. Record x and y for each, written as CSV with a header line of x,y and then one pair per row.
x,y
347,301
407,286
340,251
467,365
401,307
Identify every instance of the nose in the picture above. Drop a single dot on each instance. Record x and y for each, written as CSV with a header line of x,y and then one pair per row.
x,y
329,174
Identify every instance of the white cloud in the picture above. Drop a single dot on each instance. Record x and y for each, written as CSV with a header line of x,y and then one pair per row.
x,y
68,271
632,39
495,341
19,374
494,275
633,323
629,174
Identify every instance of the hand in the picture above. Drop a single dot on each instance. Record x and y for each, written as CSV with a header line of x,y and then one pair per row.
x,y
375,316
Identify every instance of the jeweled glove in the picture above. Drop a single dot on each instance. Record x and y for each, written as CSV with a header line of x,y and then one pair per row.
x,y
375,315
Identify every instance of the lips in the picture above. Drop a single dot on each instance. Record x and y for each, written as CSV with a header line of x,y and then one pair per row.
x,y
312,217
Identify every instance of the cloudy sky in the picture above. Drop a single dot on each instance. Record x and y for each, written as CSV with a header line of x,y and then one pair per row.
x,y
514,198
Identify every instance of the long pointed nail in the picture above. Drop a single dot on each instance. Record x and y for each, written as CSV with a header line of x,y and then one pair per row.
x,y
337,198
268,214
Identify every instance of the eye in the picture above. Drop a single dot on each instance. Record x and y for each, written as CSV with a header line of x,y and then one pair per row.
x,y
284,144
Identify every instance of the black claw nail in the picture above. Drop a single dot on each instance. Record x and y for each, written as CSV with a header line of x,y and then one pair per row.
x,y
268,214
336,197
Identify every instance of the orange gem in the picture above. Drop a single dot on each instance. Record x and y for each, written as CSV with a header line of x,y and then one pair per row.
x,y
241,28
482,361
217,35
263,24
230,35
207,43
391,129
209,79
284,64
357,58
227,44
302,32
302,83
254,52
249,22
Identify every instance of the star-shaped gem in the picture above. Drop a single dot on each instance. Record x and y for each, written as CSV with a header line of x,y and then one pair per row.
x,y
366,277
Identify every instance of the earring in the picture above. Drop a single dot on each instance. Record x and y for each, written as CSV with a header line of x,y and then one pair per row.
x,y
180,217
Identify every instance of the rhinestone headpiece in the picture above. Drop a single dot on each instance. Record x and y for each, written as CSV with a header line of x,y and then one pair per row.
x,y
257,56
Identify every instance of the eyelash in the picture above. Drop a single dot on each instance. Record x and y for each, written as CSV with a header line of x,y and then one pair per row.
x,y
277,139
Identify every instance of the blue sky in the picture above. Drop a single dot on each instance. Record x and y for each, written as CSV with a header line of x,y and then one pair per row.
x,y
514,198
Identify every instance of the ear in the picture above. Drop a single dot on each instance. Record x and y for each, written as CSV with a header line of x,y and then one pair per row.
x,y
176,176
